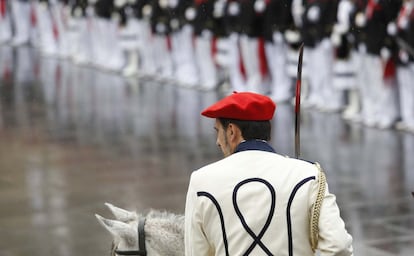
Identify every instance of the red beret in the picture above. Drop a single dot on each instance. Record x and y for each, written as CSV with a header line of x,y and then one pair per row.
x,y
242,106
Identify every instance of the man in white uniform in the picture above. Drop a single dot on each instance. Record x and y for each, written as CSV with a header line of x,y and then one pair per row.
x,y
255,201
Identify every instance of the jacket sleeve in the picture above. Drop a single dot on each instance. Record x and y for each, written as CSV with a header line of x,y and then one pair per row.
x,y
334,240
196,243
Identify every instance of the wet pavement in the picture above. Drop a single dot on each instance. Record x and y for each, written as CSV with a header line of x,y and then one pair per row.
x,y
73,138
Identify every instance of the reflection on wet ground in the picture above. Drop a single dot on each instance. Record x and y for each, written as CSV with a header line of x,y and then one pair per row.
x,y
72,138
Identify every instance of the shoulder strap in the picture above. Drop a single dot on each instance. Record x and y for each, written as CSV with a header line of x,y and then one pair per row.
x,y
316,208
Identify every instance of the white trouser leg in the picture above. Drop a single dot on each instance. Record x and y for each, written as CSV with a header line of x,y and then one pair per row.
x,y
48,40
73,33
99,42
314,77
5,26
129,44
163,56
116,61
206,66
403,76
21,18
410,100
371,90
389,106
360,78
61,13
331,96
249,51
146,49
186,71
387,103
270,48
281,82
236,78
85,46
175,52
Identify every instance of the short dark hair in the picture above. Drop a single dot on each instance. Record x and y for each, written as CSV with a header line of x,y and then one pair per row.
x,y
250,130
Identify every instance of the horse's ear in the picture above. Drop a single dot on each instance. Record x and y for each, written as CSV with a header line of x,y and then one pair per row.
x,y
122,214
117,228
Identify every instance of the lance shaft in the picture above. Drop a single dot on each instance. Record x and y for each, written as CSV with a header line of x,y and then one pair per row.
x,y
297,102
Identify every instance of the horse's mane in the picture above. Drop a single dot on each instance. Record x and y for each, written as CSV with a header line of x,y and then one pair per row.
x,y
164,232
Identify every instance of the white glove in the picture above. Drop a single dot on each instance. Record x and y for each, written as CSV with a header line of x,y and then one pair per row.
x,y
147,10
336,39
259,6
163,3
190,13
385,53
77,12
392,29
161,28
297,12
218,11
234,9
292,36
173,3
360,20
119,3
174,24
115,16
340,28
314,14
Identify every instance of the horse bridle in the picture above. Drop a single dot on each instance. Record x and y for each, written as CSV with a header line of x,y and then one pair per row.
x,y
142,251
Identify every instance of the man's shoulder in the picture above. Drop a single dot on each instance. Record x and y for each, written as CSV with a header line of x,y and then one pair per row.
x,y
262,158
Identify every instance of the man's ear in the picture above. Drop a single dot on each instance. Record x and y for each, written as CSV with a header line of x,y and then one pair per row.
x,y
234,132
230,129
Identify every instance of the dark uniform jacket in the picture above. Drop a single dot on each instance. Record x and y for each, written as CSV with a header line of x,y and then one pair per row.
x,y
314,31
406,35
277,17
104,8
378,17
160,19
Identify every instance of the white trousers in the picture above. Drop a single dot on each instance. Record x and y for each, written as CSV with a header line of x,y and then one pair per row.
x,y
21,17
322,93
183,53
378,95
48,35
405,76
236,77
250,58
205,62
5,25
163,58
281,83
146,48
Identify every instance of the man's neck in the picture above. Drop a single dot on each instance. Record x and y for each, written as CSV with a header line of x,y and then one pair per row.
x,y
261,145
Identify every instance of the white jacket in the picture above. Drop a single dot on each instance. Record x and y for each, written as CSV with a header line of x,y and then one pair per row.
x,y
257,203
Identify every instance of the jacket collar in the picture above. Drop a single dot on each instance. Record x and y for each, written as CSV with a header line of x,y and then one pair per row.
x,y
254,145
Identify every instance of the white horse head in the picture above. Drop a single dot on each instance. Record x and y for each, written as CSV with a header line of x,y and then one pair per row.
x,y
164,231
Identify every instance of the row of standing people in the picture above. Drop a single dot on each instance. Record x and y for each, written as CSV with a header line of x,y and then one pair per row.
x,y
377,38
197,43
358,53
